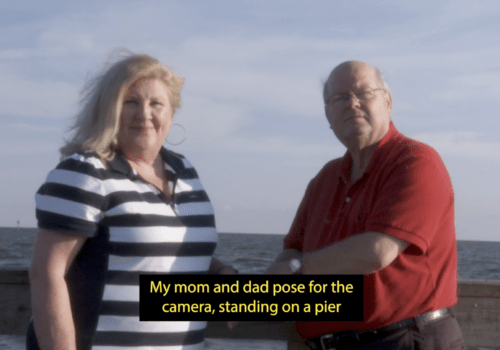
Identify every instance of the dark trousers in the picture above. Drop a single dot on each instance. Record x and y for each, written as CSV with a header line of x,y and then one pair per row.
x,y
31,342
442,334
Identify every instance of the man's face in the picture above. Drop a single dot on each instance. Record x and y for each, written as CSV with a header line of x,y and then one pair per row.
x,y
357,108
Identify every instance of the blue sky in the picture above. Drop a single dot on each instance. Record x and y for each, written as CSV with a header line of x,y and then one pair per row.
x,y
252,105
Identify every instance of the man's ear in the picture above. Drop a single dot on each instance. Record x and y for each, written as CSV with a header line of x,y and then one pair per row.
x,y
328,116
388,99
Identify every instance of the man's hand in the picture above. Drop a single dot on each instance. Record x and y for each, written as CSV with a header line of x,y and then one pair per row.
x,y
279,268
281,265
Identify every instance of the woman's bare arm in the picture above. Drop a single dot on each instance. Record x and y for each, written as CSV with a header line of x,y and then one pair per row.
x,y
53,254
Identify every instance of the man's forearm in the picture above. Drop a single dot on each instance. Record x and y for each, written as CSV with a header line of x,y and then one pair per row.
x,y
361,254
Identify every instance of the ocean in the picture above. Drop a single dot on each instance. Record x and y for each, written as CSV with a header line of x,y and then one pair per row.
x,y
250,254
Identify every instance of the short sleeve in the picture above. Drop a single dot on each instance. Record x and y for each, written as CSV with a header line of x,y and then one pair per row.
x,y
72,198
295,237
416,201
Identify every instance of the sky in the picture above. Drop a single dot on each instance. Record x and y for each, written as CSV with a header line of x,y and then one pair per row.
x,y
252,100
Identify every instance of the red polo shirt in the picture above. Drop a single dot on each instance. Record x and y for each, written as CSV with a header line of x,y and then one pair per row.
x,y
405,192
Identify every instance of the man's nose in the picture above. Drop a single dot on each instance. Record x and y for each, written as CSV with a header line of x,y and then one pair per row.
x,y
353,100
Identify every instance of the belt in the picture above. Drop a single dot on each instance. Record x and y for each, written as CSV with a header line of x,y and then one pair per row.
x,y
358,338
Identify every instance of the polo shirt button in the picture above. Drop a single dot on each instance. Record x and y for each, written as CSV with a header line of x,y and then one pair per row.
x,y
347,199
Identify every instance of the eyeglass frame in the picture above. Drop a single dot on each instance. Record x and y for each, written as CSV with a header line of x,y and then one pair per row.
x,y
348,95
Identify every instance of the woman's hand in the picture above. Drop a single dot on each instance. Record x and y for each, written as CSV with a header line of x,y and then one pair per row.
x,y
227,270
217,267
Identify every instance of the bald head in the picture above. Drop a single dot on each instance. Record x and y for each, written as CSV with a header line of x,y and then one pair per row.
x,y
357,106
349,67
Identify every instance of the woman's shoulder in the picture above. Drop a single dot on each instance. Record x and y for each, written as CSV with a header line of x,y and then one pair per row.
x,y
175,160
83,158
78,164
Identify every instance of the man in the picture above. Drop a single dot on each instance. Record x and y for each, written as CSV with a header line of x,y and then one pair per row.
x,y
384,210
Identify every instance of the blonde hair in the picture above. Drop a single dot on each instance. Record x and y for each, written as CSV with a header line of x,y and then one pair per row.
x,y
97,124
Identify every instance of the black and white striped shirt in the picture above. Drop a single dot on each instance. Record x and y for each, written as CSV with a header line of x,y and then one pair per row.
x,y
132,229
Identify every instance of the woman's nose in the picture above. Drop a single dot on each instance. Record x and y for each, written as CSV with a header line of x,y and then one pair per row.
x,y
144,111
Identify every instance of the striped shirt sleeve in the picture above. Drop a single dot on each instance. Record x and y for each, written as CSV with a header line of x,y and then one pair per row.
x,y
72,197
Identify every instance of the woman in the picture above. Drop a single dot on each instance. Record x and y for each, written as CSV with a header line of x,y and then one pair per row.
x,y
118,205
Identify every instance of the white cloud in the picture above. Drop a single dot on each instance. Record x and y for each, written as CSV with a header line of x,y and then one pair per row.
x,y
204,118
15,54
401,106
472,87
34,128
241,48
257,90
283,146
466,144
22,147
65,41
51,99
54,42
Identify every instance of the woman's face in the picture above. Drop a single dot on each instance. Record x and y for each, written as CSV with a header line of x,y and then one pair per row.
x,y
146,117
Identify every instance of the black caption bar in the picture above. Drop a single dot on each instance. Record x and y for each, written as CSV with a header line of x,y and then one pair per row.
x,y
251,297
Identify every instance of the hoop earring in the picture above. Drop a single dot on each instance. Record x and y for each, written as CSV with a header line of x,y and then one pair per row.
x,y
183,135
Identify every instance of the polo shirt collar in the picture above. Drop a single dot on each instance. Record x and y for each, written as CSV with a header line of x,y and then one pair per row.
x,y
120,165
346,162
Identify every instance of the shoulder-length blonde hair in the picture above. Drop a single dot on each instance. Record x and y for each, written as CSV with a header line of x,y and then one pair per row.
x,y
96,125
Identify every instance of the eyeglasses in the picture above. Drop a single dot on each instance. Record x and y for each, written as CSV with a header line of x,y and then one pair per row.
x,y
343,98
